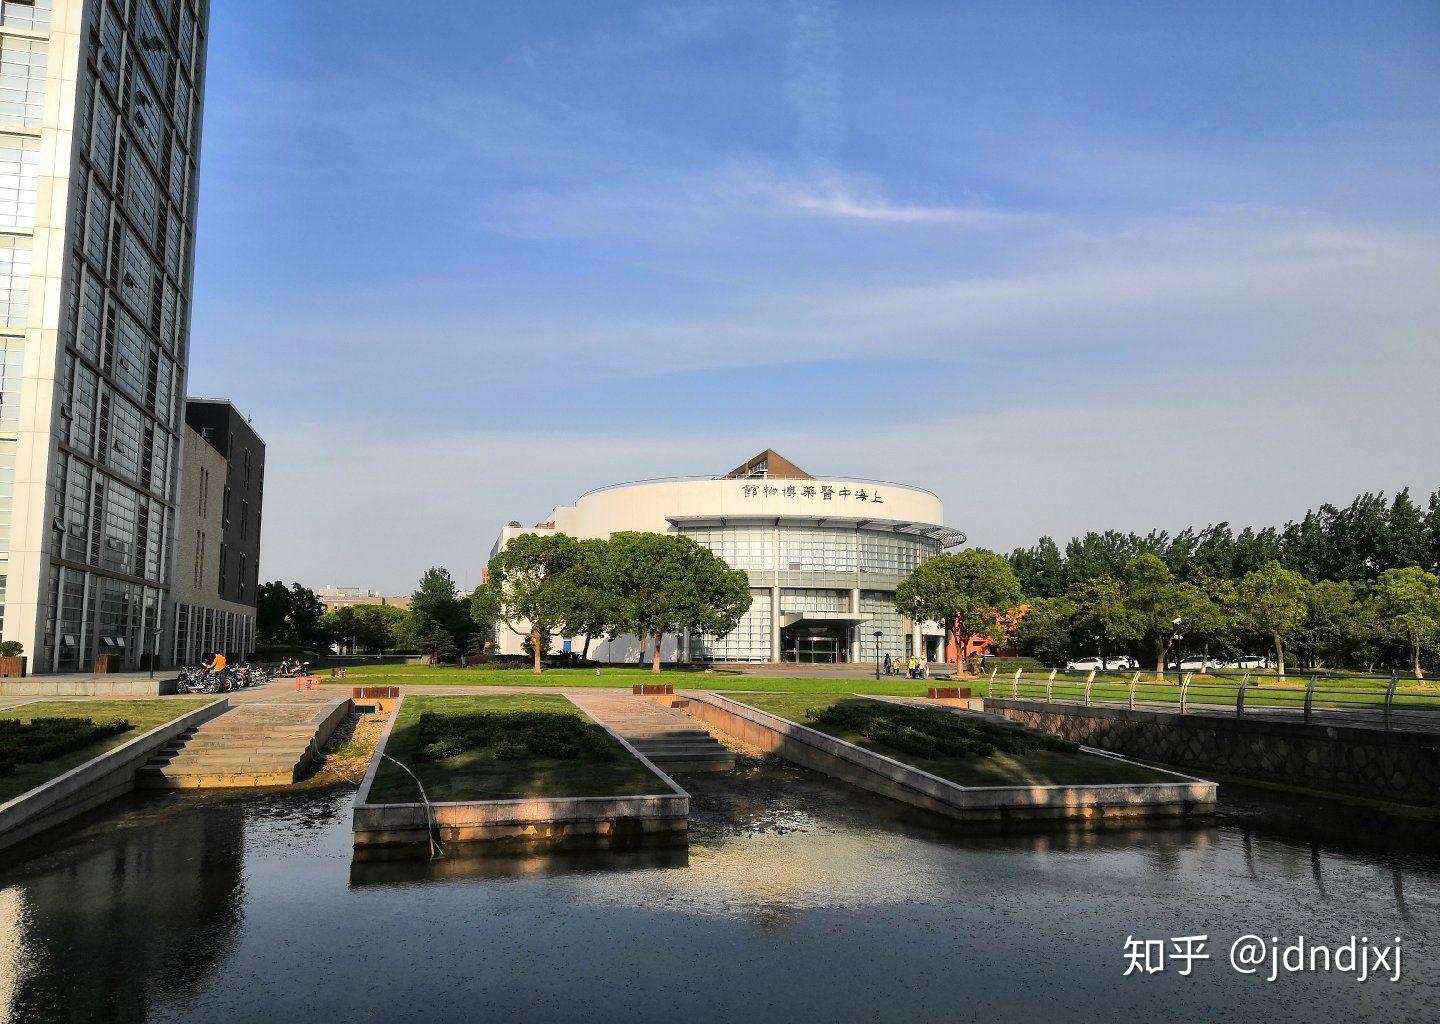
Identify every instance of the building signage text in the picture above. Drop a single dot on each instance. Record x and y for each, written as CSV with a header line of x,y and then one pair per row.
x,y
826,492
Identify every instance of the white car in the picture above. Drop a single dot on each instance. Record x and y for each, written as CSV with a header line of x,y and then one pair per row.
x,y
1248,661
1109,664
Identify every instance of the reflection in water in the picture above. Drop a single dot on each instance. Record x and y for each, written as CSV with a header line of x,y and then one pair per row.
x,y
798,898
110,924
461,863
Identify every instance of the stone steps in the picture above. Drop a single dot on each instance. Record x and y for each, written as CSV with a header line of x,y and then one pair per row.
x,y
268,745
669,738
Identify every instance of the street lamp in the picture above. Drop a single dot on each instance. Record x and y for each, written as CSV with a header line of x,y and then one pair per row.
x,y
154,645
878,634
1175,641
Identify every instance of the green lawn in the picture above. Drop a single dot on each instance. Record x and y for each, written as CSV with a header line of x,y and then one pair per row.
x,y
615,676
143,715
1033,768
476,775
1265,690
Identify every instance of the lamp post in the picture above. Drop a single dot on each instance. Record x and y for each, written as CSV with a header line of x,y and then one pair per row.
x,y
878,634
1175,641
154,643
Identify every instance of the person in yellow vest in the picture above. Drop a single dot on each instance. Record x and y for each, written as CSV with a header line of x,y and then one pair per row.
x,y
217,663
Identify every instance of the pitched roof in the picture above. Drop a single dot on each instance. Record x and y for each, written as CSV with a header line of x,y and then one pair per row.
x,y
769,464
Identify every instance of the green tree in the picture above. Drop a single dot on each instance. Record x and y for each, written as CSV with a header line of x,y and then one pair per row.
x,y
533,588
438,644
272,614
667,583
1159,605
1335,626
597,607
289,615
340,629
1046,631
974,592
1270,601
437,602
1040,570
485,616
1100,616
1406,605
1212,621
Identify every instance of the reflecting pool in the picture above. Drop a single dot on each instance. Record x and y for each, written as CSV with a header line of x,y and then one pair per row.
x,y
797,899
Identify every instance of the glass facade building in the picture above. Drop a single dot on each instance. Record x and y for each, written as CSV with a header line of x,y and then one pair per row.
x,y
823,557
100,105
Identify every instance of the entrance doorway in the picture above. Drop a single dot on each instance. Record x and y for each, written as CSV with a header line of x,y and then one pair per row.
x,y
812,645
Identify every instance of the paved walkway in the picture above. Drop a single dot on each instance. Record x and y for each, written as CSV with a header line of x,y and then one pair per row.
x,y
673,740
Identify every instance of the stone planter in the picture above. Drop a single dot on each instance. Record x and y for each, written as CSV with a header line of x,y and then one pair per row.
x,y
12,668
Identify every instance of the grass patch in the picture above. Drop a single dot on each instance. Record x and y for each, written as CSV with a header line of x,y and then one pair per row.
x,y
951,746
504,748
619,676
139,716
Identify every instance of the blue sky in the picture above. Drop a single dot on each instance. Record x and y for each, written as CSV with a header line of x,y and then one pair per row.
x,y
1071,266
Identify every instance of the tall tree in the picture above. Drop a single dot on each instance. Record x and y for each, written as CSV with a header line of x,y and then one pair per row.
x,y
1040,570
1271,602
1100,617
598,609
975,593
1406,603
1335,625
667,583
533,586
1046,631
1159,605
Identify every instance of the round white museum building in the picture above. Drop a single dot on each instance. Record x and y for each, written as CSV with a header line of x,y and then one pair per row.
x,y
824,556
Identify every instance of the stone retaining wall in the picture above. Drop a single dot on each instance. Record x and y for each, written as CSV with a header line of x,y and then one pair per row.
x,y
988,806
100,688
101,779
1399,766
525,825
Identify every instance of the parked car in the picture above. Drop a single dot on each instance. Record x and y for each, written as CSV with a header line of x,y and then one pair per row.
x,y
1248,661
1199,664
1120,664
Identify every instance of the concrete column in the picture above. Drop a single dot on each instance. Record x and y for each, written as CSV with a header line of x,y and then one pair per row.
x,y
917,641
857,633
774,623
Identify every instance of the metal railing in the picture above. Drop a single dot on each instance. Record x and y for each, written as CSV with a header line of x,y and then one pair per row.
x,y
1388,702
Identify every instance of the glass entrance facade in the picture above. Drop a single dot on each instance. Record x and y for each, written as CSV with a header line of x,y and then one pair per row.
x,y
809,646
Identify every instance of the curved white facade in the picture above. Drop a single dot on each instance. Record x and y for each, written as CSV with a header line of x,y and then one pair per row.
x,y
823,555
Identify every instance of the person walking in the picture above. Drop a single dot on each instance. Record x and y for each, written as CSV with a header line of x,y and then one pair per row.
x,y
889,665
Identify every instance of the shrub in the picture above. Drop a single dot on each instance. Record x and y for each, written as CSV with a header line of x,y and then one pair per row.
x,y
42,739
510,736
11,649
921,732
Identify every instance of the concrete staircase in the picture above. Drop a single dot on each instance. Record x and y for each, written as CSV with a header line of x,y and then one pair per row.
x,y
671,739
267,744
684,750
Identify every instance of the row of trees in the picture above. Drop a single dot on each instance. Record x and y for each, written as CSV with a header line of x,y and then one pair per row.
x,y
646,584
1354,544
1147,610
440,622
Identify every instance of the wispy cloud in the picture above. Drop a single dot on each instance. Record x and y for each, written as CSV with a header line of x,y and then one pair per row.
x,y
812,61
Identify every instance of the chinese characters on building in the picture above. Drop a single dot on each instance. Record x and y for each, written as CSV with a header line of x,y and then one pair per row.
x,y
826,492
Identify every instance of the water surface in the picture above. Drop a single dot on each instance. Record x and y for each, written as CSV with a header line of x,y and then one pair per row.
x,y
797,899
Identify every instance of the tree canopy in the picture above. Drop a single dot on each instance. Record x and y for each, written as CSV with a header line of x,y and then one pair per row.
x,y
532,586
975,592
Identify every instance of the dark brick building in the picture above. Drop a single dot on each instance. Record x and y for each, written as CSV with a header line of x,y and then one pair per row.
x,y
222,427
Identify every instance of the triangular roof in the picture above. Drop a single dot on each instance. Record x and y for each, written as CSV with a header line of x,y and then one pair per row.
x,y
771,464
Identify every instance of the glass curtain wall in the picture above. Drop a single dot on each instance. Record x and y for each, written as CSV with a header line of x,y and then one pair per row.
x,y
748,641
